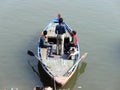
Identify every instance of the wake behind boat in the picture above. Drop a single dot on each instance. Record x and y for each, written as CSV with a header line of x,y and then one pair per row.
x,y
59,68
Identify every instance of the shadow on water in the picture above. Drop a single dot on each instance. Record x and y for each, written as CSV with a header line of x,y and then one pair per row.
x,y
70,85
47,81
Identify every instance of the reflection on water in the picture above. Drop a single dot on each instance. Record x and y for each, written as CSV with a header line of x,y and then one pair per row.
x,y
70,85
82,68
48,82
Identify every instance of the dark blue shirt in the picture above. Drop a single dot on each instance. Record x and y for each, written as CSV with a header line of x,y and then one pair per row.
x,y
60,29
42,42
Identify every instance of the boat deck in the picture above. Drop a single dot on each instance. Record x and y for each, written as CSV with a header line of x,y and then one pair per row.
x,y
58,65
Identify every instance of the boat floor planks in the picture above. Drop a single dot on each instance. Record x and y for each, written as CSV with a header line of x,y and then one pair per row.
x,y
58,66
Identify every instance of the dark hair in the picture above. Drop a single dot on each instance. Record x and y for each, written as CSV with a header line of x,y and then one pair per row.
x,y
60,20
74,32
45,32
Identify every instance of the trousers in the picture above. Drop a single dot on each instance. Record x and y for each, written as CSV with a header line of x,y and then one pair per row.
x,y
60,44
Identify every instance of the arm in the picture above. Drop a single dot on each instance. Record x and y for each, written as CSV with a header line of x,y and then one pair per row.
x,y
73,40
56,30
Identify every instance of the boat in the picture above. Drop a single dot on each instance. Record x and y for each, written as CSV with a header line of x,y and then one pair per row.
x,y
59,68
39,88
